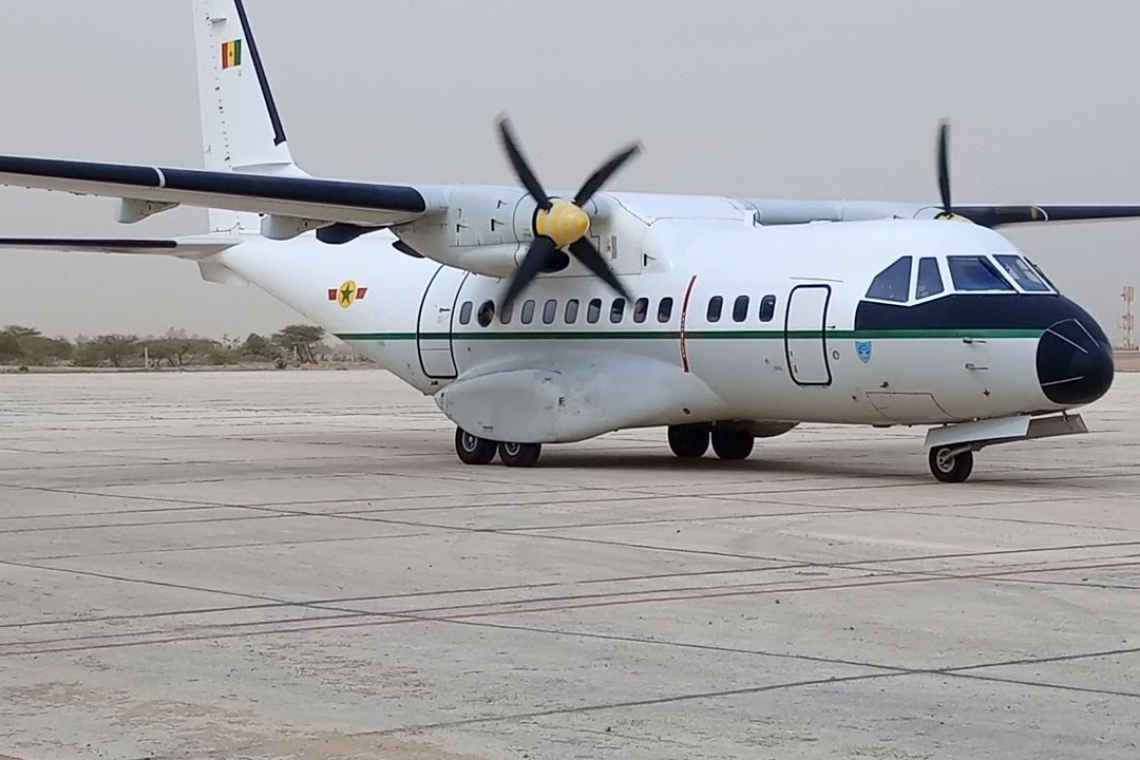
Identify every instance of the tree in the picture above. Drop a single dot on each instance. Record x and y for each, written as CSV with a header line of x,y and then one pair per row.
x,y
260,347
299,338
19,332
40,350
9,347
116,348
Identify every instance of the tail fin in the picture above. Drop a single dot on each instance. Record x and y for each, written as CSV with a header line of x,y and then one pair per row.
x,y
241,128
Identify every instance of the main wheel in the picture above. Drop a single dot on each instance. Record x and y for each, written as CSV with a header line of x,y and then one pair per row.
x,y
951,469
732,444
519,454
689,441
472,449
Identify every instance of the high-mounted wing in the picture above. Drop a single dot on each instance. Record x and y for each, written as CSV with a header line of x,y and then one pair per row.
x,y
183,248
305,198
1002,215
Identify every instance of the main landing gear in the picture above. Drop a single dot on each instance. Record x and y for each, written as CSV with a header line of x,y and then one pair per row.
x,y
475,450
692,441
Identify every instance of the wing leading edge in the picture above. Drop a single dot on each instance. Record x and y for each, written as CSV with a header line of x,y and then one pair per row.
x,y
309,198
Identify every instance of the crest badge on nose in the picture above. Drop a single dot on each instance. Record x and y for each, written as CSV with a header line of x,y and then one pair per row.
x,y
863,349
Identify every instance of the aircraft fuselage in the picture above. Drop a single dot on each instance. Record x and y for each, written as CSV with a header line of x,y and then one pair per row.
x,y
765,324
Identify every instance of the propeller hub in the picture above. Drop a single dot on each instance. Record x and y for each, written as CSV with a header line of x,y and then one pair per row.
x,y
564,223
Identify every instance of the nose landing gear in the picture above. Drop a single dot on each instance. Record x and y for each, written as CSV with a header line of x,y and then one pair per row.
x,y
951,466
952,446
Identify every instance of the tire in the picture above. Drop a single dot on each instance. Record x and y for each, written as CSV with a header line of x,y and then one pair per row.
x,y
955,469
519,454
472,449
733,444
688,442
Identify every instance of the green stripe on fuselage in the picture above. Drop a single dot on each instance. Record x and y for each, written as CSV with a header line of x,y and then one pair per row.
x,y
553,334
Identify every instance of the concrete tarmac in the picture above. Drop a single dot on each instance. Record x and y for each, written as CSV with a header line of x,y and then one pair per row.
x,y
295,564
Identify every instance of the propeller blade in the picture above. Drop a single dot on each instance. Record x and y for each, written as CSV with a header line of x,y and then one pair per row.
x,y
603,173
537,257
591,258
944,165
519,163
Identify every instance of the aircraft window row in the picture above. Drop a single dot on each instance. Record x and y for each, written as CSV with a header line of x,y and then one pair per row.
x,y
549,312
740,308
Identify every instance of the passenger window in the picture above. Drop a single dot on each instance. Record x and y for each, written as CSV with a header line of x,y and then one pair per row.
x,y
549,312
767,308
465,313
665,310
716,303
594,311
486,313
640,310
617,310
527,312
929,278
572,311
506,314
1025,275
976,273
740,309
893,283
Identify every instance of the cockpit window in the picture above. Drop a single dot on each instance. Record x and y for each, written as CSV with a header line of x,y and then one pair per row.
x,y
893,283
929,278
1044,278
1025,275
976,273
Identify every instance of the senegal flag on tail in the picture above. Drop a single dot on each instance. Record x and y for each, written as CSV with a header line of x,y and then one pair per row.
x,y
231,54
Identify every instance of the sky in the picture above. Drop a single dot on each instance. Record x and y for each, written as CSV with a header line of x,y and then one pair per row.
x,y
823,99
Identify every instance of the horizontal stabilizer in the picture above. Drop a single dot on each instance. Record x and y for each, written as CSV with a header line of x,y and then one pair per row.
x,y
183,248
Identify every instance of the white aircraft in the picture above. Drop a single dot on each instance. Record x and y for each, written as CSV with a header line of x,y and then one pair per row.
x,y
535,316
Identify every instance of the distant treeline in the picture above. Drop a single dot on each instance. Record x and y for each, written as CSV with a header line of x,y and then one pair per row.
x,y
300,343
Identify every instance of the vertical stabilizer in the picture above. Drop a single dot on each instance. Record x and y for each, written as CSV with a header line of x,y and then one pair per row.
x,y
241,128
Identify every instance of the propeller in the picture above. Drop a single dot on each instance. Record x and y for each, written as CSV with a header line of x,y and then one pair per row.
x,y
947,211
944,165
560,224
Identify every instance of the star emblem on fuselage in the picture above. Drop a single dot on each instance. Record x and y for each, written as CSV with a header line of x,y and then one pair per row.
x,y
347,294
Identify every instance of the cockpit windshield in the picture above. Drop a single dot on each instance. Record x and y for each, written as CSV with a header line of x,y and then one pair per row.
x,y
1026,276
904,282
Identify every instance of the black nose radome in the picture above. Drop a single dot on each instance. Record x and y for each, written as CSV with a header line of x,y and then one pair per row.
x,y
1074,362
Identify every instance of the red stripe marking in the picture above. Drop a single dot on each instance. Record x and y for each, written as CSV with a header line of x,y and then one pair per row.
x,y
684,319
332,297
361,292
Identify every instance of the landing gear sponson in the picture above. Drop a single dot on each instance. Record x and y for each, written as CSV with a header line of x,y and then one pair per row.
x,y
951,447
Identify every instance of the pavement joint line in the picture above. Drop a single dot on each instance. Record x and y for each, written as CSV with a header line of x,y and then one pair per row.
x,y
515,608
874,565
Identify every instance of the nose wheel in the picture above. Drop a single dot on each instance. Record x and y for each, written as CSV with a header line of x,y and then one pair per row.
x,y
950,466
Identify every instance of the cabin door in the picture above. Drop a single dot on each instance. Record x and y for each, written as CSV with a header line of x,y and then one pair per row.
x,y
433,330
805,334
